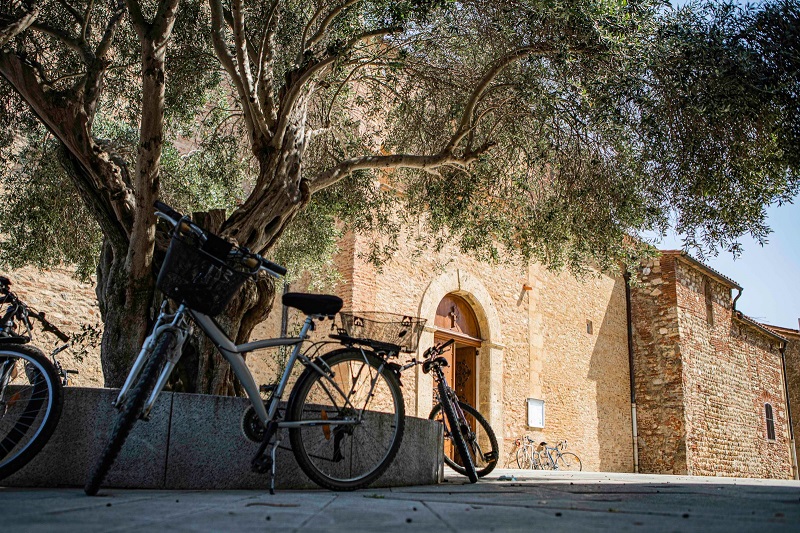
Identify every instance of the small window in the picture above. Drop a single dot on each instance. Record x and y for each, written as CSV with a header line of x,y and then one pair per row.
x,y
589,328
770,421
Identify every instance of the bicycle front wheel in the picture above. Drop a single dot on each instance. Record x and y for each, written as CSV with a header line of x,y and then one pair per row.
x,y
349,419
523,457
456,429
31,398
569,462
481,441
131,410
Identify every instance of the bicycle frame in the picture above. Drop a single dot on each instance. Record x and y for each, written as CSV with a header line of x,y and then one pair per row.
x,y
177,322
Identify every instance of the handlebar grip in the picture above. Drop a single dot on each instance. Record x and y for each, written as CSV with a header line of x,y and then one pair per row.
x,y
446,344
167,210
275,267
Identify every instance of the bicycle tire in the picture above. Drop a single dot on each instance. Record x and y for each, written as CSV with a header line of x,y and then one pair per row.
x,y
25,430
569,462
347,457
454,429
542,461
484,462
523,458
130,412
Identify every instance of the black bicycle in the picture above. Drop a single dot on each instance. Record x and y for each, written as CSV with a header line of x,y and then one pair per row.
x,y
31,394
464,427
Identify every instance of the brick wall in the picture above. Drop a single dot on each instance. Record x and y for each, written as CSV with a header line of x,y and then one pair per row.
x,y
658,370
792,354
703,375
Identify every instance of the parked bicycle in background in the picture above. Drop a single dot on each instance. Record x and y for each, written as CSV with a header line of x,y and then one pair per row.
x,y
464,427
31,394
543,457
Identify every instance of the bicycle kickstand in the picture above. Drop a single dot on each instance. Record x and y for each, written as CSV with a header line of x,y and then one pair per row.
x,y
272,469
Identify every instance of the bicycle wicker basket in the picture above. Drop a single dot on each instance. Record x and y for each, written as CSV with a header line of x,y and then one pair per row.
x,y
204,280
400,330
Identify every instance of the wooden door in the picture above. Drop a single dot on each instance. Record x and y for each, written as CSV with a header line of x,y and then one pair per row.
x,y
456,320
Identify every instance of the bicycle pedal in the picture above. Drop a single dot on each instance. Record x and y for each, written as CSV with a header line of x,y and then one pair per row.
x,y
261,464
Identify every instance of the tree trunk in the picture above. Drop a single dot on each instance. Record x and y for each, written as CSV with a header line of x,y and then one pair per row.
x,y
126,311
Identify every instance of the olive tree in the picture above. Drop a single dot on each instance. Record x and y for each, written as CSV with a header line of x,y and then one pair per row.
x,y
526,129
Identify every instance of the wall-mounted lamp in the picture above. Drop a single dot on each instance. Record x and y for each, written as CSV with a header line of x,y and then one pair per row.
x,y
526,287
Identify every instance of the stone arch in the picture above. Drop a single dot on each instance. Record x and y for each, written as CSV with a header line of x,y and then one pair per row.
x,y
490,390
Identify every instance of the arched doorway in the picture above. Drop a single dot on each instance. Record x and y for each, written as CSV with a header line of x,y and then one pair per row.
x,y
489,332
455,319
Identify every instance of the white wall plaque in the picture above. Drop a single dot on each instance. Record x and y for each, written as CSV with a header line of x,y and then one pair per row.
x,y
535,413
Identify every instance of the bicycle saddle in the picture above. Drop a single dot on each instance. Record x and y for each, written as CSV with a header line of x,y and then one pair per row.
x,y
313,304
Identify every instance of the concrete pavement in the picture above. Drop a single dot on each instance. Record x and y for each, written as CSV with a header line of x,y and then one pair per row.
x,y
508,500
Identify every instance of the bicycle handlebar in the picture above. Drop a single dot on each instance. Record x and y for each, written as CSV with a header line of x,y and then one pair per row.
x,y
49,326
22,312
429,355
248,258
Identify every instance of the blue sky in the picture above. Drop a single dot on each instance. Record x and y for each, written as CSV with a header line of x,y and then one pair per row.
x,y
770,275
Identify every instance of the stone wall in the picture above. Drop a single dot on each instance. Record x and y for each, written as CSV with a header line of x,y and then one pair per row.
x,y
583,366
658,370
792,355
703,375
535,343
70,305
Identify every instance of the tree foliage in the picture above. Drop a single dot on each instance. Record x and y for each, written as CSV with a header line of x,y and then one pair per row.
x,y
531,129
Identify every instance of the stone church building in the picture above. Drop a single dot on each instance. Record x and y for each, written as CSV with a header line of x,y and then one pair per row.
x,y
664,376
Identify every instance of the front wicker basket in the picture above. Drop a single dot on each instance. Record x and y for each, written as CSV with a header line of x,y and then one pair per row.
x,y
197,279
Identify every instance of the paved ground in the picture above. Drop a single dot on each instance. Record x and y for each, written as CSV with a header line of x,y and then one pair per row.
x,y
508,500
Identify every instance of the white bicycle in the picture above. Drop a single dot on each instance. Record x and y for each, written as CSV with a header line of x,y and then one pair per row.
x,y
345,414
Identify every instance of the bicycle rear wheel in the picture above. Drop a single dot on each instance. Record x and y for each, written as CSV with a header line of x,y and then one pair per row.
x,y
130,411
569,462
357,388
31,399
481,441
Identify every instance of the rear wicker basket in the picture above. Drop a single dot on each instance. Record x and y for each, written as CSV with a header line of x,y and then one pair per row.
x,y
399,330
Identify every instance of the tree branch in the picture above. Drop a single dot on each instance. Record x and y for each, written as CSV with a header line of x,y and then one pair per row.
x,y
11,30
265,75
323,27
384,162
69,124
494,70
111,28
71,43
228,63
140,23
96,69
164,21
87,21
72,11
299,78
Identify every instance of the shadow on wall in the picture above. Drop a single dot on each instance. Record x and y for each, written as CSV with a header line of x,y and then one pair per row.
x,y
609,369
